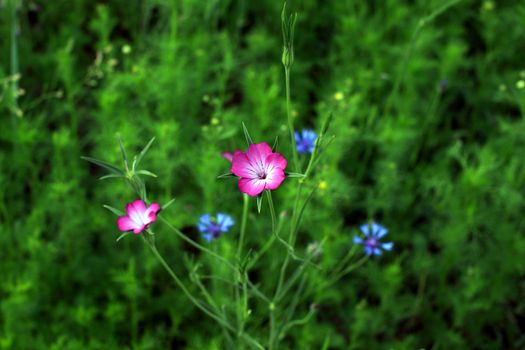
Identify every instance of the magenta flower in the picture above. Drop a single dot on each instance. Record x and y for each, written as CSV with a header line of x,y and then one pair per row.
x,y
259,169
139,217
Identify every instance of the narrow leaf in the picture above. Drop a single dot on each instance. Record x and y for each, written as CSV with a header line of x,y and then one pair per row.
x,y
142,153
114,210
109,167
168,204
247,135
275,144
123,235
109,176
326,124
294,175
259,203
145,172
226,176
122,150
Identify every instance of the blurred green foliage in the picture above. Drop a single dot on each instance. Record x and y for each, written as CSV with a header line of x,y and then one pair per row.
x,y
428,117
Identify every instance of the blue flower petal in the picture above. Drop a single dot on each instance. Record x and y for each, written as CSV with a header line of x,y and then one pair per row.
x,y
379,230
377,252
297,137
365,228
225,222
368,250
387,246
358,240
204,223
208,237
309,135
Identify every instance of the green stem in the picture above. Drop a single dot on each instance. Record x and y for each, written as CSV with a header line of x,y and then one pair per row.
x,y
198,246
195,301
290,120
346,271
242,305
215,255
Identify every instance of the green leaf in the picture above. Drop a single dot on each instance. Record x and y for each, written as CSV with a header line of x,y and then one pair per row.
x,y
259,203
326,124
145,172
226,176
138,159
168,204
109,167
294,175
275,143
247,135
109,176
122,150
123,235
114,210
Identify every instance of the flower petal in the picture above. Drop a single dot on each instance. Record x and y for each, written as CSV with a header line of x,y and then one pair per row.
x,y
251,187
368,250
204,223
225,222
378,230
258,152
135,211
139,229
124,223
387,246
151,212
208,237
377,252
358,240
274,178
275,160
228,156
365,228
241,166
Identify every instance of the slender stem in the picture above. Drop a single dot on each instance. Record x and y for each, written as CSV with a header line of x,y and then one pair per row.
x,y
198,246
271,338
290,120
195,301
346,271
245,207
242,305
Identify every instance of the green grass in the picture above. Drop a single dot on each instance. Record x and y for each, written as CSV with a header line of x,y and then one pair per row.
x,y
428,100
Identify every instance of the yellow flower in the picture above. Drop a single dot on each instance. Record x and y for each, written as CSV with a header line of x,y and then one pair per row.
x,y
323,185
338,96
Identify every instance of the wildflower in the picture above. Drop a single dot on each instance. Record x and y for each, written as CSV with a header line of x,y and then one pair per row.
x,y
138,216
228,156
305,141
323,185
212,227
338,96
371,243
259,169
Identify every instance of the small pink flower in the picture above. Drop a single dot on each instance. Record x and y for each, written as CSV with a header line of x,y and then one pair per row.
x,y
228,156
139,217
259,169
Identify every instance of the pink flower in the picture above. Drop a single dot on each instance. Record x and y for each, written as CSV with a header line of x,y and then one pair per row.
x,y
228,156
139,217
259,169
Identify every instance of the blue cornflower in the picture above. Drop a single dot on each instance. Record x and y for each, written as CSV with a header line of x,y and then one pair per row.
x,y
373,233
212,227
305,141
